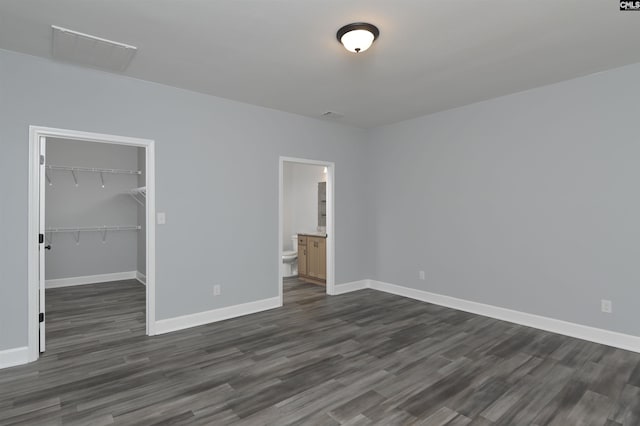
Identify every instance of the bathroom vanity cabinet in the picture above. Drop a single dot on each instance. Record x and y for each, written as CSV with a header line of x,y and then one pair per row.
x,y
312,258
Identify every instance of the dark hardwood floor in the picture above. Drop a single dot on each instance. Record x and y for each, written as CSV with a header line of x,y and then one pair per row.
x,y
360,358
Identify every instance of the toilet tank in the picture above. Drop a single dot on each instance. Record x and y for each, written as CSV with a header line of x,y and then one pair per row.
x,y
294,240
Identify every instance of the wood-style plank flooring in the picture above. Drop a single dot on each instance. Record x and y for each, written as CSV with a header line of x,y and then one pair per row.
x,y
361,358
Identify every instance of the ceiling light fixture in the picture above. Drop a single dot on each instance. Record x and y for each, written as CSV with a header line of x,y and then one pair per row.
x,y
357,37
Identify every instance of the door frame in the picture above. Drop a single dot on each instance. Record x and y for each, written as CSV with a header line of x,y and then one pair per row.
x,y
35,133
331,271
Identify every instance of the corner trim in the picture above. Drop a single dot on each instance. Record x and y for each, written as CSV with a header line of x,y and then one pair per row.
x,y
349,287
141,277
14,356
215,315
579,331
90,279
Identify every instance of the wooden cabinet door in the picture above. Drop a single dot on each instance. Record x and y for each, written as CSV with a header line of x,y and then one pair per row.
x,y
302,256
313,257
322,258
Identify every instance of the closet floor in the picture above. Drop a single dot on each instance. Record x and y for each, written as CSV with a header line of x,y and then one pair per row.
x,y
360,358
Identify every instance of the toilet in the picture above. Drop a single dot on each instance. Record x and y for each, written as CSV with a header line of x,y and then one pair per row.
x,y
290,259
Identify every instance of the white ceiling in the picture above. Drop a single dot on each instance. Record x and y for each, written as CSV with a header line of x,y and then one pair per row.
x,y
432,55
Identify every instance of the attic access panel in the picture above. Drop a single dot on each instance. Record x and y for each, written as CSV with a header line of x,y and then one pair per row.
x,y
84,49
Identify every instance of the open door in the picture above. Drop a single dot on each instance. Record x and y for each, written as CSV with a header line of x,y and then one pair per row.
x,y
42,240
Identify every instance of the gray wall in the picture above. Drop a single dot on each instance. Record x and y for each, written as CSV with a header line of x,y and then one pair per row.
x,y
217,167
529,201
88,205
300,200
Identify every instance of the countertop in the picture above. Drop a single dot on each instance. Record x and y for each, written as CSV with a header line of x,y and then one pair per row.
x,y
314,234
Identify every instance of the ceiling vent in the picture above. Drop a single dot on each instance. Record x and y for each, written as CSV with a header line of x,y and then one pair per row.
x,y
88,50
332,115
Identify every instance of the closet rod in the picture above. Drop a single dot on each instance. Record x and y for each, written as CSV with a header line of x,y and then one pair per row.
x,y
94,170
94,228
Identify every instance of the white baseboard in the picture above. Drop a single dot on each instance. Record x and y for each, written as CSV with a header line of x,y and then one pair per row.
x,y
349,287
215,315
584,332
90,279
14,356
141,277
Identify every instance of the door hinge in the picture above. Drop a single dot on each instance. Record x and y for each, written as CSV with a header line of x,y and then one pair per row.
x,y
41,317
41,159
40,238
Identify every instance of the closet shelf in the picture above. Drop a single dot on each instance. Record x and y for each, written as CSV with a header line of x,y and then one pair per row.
x,y
76,231
74,170
139,194
94,170
94,229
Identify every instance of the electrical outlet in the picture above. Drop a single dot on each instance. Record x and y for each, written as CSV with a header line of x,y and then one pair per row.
x,y
162,219
421,275
606,306
216,290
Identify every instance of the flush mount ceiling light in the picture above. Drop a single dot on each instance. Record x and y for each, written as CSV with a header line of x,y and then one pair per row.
x,y
357,37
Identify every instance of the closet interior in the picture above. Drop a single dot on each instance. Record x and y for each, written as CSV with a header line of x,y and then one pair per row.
x,y
94,213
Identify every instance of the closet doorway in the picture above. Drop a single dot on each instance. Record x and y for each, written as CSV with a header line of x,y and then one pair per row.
x,y
91,219
318,235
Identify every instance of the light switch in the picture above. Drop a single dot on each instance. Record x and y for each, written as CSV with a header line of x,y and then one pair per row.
x,y
162,219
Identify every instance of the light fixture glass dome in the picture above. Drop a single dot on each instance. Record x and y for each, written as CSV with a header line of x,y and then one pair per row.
x,y
357,41
357,37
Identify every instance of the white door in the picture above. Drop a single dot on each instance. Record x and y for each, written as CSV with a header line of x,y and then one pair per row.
x,y
42,241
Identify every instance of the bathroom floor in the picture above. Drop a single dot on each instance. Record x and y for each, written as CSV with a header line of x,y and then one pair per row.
x,y
302,293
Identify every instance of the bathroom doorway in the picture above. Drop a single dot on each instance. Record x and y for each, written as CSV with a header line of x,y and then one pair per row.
x,y
306,244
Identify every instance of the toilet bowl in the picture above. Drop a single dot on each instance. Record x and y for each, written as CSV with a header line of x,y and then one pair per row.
x,y
290,259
